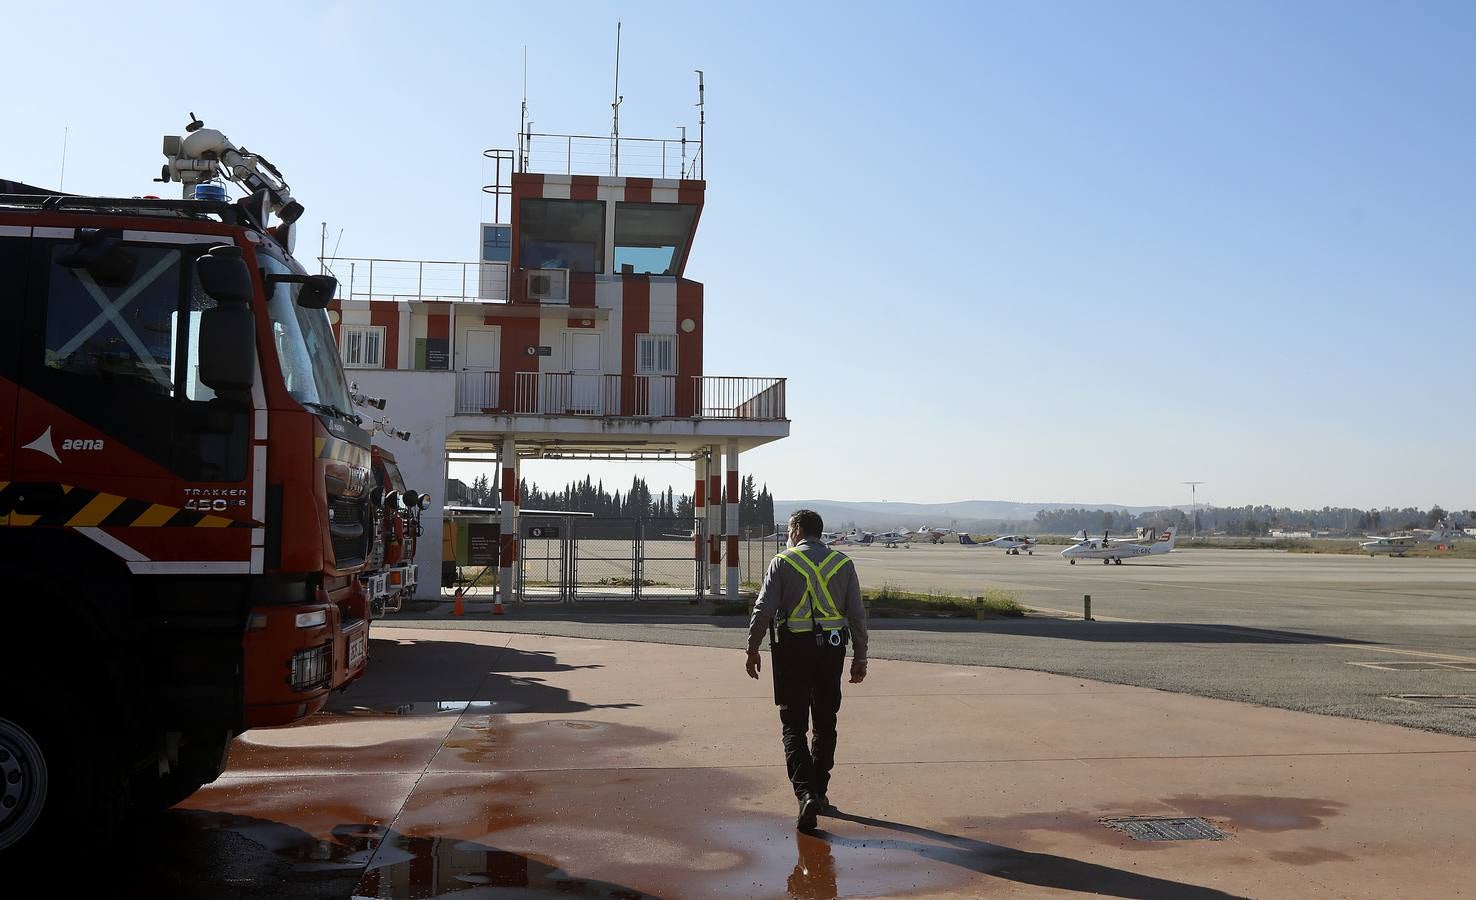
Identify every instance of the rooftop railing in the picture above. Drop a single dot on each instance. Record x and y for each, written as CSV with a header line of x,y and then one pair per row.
x,y
586,154
636,396
418,279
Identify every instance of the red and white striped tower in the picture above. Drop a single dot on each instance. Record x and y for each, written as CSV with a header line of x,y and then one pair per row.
x,y
699,522
714,523
730,507
509,518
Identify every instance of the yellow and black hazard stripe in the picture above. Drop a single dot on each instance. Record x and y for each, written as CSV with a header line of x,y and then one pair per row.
x,y
65,506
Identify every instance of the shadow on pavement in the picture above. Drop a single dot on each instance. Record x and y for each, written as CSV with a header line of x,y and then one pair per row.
x,y
816,867
414,676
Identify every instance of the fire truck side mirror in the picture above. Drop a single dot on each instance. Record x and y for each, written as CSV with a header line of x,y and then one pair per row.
x,y
224,275
317,291
228,349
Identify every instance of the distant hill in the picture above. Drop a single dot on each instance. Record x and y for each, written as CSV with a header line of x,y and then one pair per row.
x,y
963,514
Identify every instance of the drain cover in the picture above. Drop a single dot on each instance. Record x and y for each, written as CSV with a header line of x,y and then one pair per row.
x,y
1157,828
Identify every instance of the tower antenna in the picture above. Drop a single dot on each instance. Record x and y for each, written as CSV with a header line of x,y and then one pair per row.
x,y
65,132
523,116
615,127
699,161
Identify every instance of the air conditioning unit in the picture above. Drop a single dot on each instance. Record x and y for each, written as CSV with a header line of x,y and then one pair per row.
x,y
548,285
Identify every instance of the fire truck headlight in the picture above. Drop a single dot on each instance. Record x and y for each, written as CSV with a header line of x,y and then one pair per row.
x,y
312,619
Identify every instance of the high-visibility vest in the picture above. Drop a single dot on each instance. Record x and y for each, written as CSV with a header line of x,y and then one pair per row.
x,y
817,606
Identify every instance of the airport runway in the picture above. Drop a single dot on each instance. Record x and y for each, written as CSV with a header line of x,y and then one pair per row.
x,y
1391,640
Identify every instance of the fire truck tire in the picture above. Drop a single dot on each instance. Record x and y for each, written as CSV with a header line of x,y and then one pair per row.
x,y
201,758
59,772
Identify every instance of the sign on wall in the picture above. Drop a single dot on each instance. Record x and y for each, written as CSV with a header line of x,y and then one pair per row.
x,y
543,531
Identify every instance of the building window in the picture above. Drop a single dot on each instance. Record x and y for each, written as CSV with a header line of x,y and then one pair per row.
x,y
496,243
652,238
363,346
562,234
655,354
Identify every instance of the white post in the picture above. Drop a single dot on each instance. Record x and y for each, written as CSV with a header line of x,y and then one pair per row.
x,y
508,457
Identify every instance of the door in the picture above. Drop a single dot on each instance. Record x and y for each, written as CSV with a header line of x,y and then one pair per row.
x,y
582,352
477,384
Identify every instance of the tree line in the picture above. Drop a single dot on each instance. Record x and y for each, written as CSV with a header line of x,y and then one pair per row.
x,y
755,503
1252,520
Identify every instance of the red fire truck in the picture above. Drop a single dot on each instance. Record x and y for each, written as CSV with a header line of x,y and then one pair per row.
x,y
184,489
392,574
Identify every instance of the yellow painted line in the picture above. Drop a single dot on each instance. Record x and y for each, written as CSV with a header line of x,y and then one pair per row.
x,y
97,510
213,522
21,521
1272,635
154,516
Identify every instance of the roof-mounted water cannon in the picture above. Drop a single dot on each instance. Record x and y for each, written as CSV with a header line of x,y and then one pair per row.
x,y
363,399
204,155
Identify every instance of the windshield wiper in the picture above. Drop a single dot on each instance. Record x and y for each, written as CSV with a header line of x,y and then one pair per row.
x,y
333,411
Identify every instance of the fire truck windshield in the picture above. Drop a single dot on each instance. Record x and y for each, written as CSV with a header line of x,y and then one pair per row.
x,y
306,349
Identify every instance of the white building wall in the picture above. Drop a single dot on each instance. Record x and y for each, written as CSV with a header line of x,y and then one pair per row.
x,y
421,403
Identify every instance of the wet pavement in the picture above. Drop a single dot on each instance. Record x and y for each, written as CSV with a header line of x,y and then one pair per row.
x,y
480,764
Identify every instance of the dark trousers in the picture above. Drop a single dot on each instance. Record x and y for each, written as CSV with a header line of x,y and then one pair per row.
x,y
807,687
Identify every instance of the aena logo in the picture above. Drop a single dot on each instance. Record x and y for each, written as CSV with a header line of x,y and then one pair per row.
x,y
82,444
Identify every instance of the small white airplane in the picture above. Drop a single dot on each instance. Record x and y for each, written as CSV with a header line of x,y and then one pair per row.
x,y
893,538
1012,544
935,535
1114,552
1393,545
1446,533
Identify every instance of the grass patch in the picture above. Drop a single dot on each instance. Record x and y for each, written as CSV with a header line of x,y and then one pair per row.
x,y
889,601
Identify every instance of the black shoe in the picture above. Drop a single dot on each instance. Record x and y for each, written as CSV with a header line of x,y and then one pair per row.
x,y
809,813
825,807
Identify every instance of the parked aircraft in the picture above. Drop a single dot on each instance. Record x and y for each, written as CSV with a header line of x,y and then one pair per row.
x,y
1110,551
935,535
1011,544
1393,545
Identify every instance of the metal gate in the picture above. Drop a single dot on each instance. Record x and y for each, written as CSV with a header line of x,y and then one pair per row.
x,y
544,561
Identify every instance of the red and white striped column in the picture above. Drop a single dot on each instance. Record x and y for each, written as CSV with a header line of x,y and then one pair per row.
x,y
699,523
730,508
714,523
508,458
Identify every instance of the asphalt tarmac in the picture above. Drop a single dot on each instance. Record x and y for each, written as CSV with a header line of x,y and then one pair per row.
x,y
1383,639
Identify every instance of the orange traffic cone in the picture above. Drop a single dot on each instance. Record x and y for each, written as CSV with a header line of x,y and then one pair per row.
x,y
458,611
497,606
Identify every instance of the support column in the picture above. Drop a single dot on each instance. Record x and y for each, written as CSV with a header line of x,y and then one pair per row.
x,y
508,457
714,523
730,507
699,523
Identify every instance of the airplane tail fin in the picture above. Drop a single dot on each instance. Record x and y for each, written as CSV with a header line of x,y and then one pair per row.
x,y
1167,537
966,540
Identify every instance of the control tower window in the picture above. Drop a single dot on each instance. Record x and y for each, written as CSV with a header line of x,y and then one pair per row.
x,y
652,238
562,234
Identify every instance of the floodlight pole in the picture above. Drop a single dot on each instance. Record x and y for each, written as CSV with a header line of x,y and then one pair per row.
x,y
1194,506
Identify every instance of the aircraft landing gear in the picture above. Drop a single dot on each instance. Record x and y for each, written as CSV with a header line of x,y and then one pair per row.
x,y
1072,561
1106,562
1117,561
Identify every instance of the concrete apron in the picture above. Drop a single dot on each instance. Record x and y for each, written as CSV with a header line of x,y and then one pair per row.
x,y
520,765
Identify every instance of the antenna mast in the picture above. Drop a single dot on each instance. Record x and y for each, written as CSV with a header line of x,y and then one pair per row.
x,y
523,117
615,127
699,162
1194,505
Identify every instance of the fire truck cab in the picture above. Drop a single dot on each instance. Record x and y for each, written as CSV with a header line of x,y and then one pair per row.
x,y
184,490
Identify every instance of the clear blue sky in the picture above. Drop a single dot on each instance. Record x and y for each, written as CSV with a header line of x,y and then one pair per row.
x,y
1035,251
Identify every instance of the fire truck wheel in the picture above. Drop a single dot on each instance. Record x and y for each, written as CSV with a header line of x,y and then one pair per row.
x,y
54,774
201,758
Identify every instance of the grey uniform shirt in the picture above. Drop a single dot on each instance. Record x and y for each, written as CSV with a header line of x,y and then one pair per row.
x,y
784,588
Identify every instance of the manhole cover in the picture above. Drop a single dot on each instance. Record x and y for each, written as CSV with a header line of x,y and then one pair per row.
x,y
1420,666
1160,828
1444,701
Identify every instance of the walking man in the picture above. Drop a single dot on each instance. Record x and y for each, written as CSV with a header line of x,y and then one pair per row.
x,y
810,605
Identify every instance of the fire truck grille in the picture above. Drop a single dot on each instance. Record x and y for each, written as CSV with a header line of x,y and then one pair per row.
x,y
349,532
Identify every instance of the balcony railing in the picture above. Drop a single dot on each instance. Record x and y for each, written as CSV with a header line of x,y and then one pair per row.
x,y
418,279
588,154
637,396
